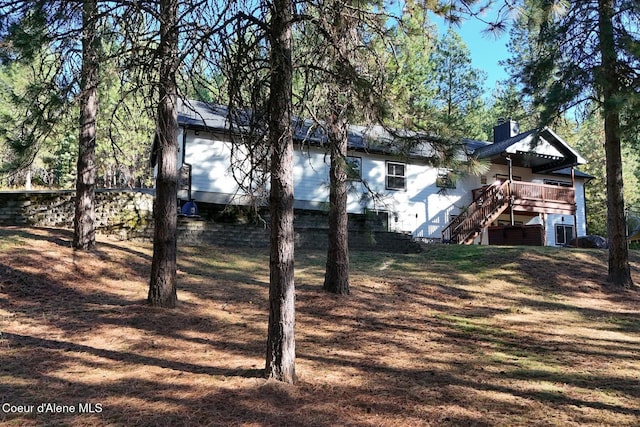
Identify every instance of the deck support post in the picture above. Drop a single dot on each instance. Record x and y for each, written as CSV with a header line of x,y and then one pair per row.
x,y
511,217
575,214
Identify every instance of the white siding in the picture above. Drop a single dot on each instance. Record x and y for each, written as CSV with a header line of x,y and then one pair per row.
x,y
542,146
311,178
558,219
423,209
209,156
419,209
518,173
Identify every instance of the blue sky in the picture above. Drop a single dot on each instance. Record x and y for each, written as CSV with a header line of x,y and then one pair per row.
x,y
486,49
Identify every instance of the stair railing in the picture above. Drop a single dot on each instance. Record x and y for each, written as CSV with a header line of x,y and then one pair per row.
x,y
474,216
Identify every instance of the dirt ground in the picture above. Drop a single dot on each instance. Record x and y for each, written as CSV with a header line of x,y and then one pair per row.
x,y
454,336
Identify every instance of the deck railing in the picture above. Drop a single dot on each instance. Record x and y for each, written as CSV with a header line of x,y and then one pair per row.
x,y
488,200
542,192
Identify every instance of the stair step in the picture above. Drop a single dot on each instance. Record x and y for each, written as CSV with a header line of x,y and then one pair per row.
x,y
476,227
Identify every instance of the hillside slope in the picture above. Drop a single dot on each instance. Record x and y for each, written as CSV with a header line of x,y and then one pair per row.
x,y
456,335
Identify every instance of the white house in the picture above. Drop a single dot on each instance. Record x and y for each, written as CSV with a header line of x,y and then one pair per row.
x,y
544,197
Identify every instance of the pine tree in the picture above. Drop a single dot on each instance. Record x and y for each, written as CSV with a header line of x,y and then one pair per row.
x,y
336,85
162,285
409,72
587,51
280,363
590,141
84,236
459,89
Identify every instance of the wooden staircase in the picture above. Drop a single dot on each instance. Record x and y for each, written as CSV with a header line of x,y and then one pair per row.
x,y
485,209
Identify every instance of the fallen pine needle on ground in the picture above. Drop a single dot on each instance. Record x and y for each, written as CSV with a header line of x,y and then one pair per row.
x,y
453,336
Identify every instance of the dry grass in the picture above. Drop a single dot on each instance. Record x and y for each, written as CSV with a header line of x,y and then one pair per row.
x,y
455,336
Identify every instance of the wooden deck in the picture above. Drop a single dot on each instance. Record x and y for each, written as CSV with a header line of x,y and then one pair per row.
x,y
532,197
490,201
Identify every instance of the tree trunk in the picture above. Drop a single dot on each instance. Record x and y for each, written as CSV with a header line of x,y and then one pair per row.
x,y
280,364
336,278
83,223
619,270
162,286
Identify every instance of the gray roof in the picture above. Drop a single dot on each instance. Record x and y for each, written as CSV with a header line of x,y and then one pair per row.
x,y
496,148
376,139
473,144
200,114
538,161
567,172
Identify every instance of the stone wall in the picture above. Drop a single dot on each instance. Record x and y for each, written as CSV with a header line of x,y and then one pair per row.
x,y
127,214
195,232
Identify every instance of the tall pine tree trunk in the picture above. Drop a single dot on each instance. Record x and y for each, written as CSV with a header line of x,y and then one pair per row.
x,y
336,279
609,83
280,363
619,270
162,286
83,223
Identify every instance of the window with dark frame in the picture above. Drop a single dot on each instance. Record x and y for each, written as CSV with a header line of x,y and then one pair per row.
x,y
564,234
354,168
445,179
557,183
396,179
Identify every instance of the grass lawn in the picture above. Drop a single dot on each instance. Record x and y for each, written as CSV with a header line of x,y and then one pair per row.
x,y
453,336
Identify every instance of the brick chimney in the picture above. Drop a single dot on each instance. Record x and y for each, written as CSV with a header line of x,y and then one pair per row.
x,y
505,129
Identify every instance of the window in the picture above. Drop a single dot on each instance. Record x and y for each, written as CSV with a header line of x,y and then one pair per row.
x,y
184,177
445,179
354,168
564,234
396,179
558,183
504,178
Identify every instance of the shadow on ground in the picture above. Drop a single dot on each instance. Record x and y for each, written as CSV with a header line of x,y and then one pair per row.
x,y
442,338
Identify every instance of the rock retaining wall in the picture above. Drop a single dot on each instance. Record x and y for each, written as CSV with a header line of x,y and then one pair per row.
x,y
115,210
195,232
128,214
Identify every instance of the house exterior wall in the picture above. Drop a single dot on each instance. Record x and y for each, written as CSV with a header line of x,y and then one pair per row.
x,y
419,209
422,209
209,155
542,147
552,220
